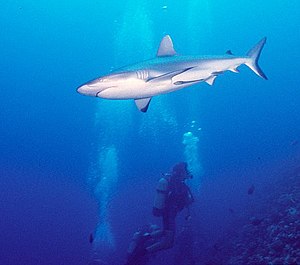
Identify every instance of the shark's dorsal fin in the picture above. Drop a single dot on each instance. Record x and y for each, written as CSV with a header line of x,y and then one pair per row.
x,y
166,47
229,52
142,103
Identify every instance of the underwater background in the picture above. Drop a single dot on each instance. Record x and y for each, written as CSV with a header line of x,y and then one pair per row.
x,y
73,165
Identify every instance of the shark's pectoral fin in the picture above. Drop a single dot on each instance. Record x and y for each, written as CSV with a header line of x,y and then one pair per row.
x,y
178,83
188,76
166,47
211,80
142,103
165,77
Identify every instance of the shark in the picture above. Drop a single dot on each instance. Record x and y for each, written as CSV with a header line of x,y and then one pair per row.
x,y
168,72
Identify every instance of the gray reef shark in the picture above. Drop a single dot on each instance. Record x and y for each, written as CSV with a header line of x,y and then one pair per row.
x,y
166,73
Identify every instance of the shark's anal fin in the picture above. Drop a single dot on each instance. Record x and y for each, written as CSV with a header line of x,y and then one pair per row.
x,y
142,104
166,47
234,69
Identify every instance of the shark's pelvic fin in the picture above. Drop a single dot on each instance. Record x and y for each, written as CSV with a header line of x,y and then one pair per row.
x,y
166,47
211,80
142,103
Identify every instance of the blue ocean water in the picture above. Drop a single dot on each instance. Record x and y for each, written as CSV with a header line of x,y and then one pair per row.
x,y
69,163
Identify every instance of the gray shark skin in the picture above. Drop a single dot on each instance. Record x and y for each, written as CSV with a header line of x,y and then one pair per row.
x,y
168,72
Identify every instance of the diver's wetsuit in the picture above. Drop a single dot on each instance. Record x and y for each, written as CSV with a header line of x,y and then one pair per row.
x,y
179,197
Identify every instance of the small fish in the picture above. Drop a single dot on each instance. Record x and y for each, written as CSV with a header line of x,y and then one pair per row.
x,y
91,238
251,190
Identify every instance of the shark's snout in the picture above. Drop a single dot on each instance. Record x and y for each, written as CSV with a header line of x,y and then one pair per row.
x,y
81,89
86,90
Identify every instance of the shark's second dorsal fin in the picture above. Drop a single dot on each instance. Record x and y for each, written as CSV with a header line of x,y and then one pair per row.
x,y
229,52
166,47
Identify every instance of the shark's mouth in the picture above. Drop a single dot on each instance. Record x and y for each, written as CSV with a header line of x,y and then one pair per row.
x,y
100,91
97,94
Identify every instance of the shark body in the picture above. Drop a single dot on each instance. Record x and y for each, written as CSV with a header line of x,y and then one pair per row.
x,y
166,73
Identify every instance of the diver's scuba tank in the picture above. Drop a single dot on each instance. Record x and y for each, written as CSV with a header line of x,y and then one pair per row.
x,y
160,197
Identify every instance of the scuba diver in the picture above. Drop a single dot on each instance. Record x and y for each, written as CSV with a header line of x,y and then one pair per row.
x,y
172,196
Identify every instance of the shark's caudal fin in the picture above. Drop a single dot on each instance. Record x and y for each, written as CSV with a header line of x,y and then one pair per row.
x,y
254,54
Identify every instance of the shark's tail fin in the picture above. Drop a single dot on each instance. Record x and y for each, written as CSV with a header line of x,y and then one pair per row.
x,y
253,55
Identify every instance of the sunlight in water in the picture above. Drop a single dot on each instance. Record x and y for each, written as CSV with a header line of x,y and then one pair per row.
x,y
105,177
114,120
190,142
